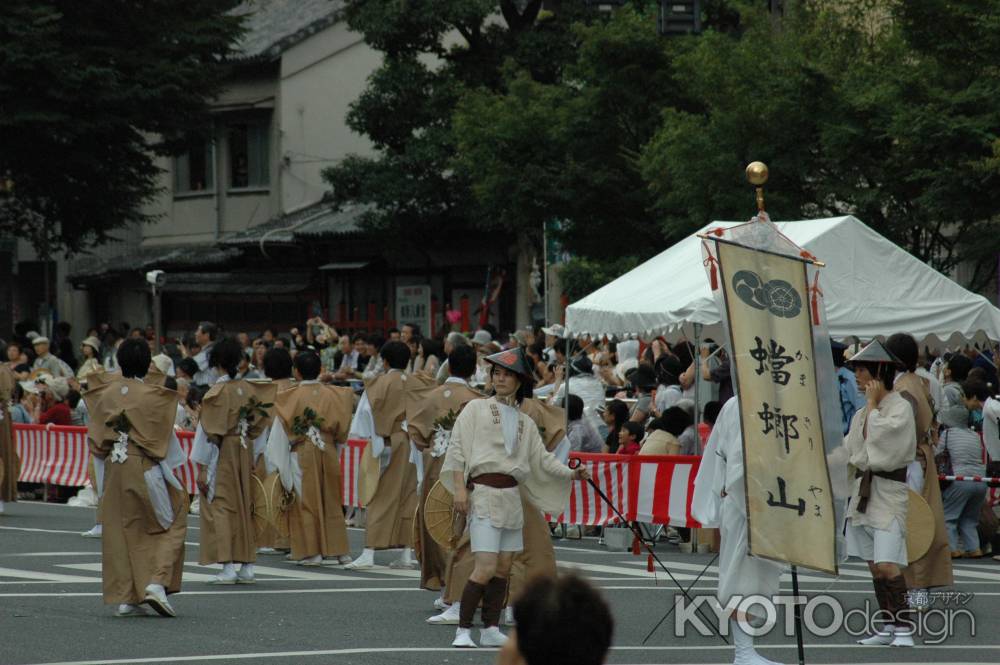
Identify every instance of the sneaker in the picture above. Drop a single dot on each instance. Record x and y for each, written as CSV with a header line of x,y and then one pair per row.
x,y
96,532
129,610
440,605
157,599
223,579
974,554
492,637
880,639
463,639
447,618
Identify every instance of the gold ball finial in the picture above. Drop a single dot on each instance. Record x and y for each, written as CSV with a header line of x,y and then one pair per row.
x,y
757,173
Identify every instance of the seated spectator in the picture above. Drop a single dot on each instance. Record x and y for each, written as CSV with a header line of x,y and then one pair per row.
x,y
78,409
962,500
643,382
689,437
708,421
664,439
615,414
668,371
629,437
583,438
51,406
23,403
560,621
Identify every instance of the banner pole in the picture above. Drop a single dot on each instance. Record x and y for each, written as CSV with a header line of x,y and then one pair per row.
x,y
798,615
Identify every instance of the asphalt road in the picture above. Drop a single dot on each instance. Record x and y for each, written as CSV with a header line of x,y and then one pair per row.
x,y
51,609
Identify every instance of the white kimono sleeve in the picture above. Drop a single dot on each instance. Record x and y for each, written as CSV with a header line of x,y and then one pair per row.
x,y
206,453
278,456
461,437
706,504
363,427
991,427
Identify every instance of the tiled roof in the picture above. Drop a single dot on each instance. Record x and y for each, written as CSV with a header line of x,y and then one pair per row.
x,y
150,258
272,26
318,220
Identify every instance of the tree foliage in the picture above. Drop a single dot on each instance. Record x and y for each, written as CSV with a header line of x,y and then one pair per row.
x,y
506,115
90,92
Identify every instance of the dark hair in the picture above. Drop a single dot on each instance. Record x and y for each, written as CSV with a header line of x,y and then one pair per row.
x,y
359,336
226,353
462,361
209,329
396,353
308,364
619,410
525,385
64,328
194,395
170,383
188,366
562,621
388,333
905,348
73,399
884,372
635,429
675,420
959,366
711,412
431,347
277,364
559,346
133,358
414,329
667,370
975,388
574,405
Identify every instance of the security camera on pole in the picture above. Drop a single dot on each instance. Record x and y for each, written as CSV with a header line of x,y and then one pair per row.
x,y
156,280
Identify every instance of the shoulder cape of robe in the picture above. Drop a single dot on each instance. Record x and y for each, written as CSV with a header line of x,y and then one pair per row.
x,y
425,406
550,419
387,397
150,409
220,408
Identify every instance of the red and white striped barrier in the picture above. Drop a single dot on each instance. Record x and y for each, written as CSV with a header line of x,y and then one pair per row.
x,y
973,479
650,489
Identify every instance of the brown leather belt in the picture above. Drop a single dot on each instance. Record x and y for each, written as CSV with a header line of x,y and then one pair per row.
x,y
497,480
865,490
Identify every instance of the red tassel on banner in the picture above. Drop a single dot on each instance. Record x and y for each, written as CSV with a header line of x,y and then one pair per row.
x,y
649,564
816,293
635,545
712,263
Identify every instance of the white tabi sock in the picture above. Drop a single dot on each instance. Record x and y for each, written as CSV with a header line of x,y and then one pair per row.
x,y
246,570
1,506
156,588
228,569
367,556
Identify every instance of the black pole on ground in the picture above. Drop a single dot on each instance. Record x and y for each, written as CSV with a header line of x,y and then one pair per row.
x,y
798,615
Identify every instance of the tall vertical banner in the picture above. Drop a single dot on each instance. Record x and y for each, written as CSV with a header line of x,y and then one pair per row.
x,y
789,499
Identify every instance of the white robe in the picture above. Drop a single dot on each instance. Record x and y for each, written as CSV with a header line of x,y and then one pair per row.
x,y
722,470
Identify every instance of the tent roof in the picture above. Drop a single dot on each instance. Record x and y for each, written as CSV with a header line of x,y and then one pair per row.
x,y
871,287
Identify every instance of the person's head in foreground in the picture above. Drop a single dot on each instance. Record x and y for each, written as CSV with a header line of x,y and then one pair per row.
x,y
562,621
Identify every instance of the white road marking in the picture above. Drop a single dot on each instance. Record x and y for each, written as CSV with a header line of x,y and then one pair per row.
x,y
286,573
389,650
41,554
37,575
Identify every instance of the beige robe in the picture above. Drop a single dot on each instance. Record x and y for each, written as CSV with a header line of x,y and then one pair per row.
x,y
390,512
272,534
660,442
421,414
10,465
537,559
934,568
136,549
227,527
316,517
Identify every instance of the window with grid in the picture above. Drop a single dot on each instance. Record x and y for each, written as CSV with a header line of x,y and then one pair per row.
x,y
249,154
194,169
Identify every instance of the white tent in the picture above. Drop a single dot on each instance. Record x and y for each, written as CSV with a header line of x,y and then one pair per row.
x,y
870,286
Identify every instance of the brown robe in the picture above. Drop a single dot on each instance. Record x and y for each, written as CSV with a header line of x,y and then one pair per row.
x,y
227,528
538,558
390,512
421,414
136,549
273,535
934,568
316,519
10,464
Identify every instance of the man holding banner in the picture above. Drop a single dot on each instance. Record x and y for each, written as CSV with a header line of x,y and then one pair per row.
x,y
763,478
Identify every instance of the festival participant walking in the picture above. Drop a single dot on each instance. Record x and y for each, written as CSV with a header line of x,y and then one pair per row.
x,y
934,568
380,418
277,366
720,501
311,420
430,421
234,415
144,506
9,464
495,453
882,442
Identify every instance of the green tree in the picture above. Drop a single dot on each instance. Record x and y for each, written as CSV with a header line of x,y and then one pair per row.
x,y
90,93
857,110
